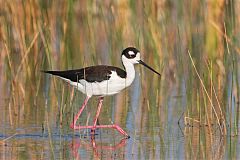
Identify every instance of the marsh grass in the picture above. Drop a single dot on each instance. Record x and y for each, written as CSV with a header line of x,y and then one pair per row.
x,y
197,54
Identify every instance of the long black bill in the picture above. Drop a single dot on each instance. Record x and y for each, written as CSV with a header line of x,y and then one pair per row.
x,y
141,62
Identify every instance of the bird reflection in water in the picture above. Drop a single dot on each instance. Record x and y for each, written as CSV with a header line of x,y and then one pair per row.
x,y
97,147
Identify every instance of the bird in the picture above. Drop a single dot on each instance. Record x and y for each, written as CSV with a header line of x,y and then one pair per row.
x,y
101,81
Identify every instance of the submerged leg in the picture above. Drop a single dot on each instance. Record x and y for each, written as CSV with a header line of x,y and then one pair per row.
x,y
73,125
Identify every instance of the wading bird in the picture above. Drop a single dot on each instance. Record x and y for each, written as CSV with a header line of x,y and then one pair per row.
x,y
102,80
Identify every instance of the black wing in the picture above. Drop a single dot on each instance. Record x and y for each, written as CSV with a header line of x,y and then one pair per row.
x,y
90,74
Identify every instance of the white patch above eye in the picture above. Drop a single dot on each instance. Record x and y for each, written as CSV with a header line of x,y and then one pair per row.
x,y
131,53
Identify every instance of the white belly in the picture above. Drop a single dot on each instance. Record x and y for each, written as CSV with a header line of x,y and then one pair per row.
x,y
108,87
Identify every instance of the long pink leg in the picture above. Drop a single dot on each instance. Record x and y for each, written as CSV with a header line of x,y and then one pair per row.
x,y
119,129
100,101
73,125
98,111
114,126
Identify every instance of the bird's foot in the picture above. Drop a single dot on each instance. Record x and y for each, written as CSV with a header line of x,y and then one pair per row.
x,y
120,130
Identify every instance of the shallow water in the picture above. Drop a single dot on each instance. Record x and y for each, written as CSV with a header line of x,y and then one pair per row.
x,y
39,135
152,135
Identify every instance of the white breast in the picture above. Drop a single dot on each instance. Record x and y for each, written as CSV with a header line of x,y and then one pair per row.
x,y
108,87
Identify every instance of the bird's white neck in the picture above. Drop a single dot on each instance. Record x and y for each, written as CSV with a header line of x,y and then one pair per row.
x,y
130,70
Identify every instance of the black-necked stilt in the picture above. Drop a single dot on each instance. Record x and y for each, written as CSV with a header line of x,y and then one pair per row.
x,y
101,81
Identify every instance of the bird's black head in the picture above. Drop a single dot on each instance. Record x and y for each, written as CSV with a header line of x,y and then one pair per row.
x,y
131,55
130,52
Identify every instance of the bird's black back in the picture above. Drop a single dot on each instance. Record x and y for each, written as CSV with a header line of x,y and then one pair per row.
x,y
91,74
